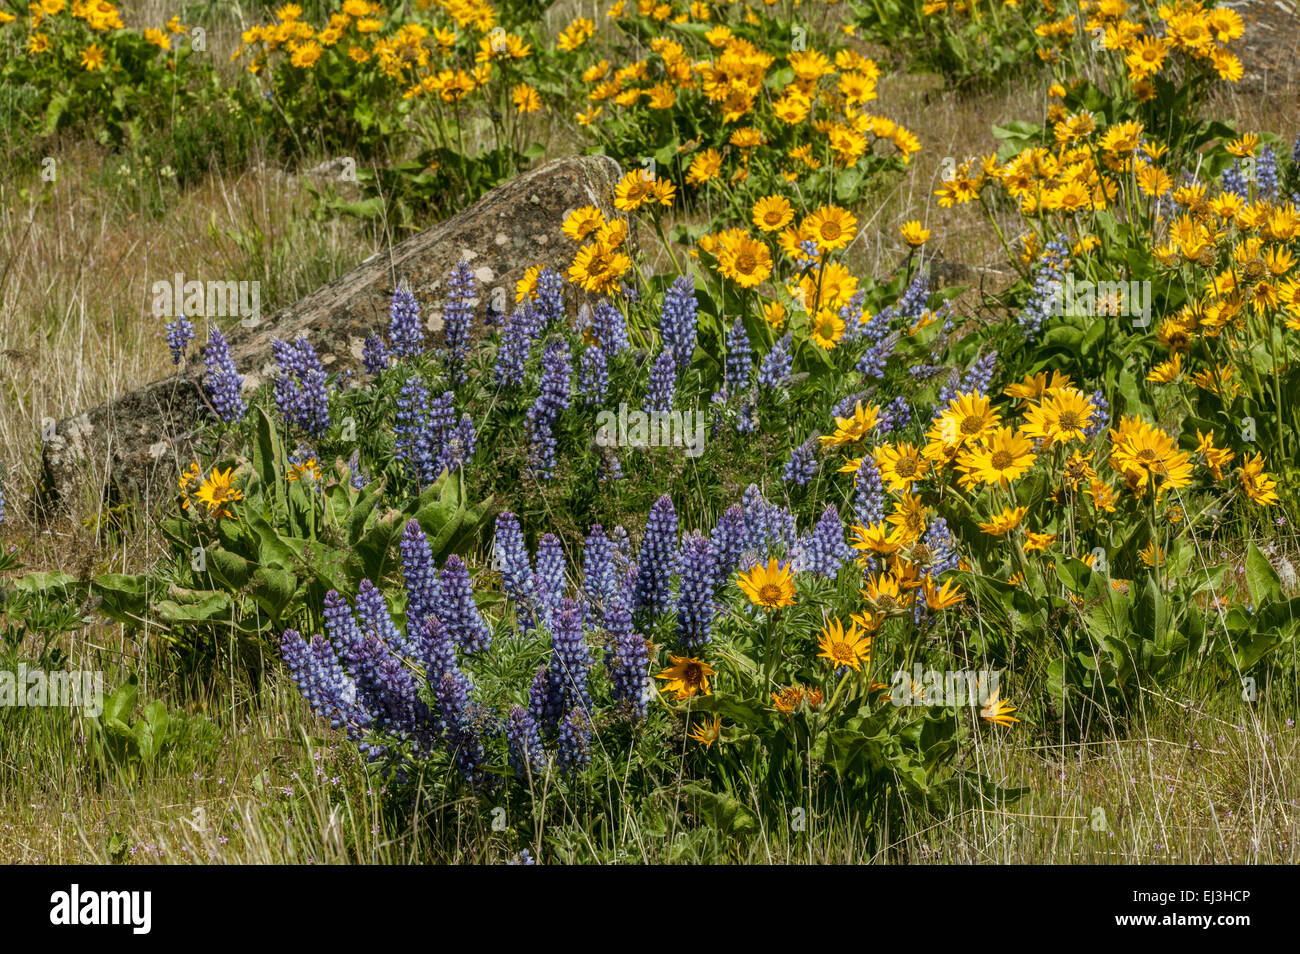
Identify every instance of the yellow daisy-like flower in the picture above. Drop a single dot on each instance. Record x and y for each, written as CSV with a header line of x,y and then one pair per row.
x,y
774,314
1002,459
770,587
1167,371
525,98
850,430
773,213
706,732
217,492
842,648
787,700
901,465
1060,418
826,329
307,470
968,418
1003,523
914,233
93,57
1258,485
831,227
687,676
942,596
580,223
1038,541
597,267
744,260
997,711
885,596
878,538
190,477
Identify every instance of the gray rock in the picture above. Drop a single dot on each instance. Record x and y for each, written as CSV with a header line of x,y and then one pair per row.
x,y
137,443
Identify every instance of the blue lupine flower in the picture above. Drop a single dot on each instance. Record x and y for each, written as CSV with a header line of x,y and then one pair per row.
x,y
359,479
405,329
895,416
1100,419
549,577
617,615
696,606
663,383
412,446
552,397
938,539
868,492
873,360
728,541
1266,173
979,377
548,300
435,649
593,375
510,558
740,360
574,752
461,732
374,355
824,551
439,427
677,319
802,465
767,525
809,255
629,667
776,365
457,609
516,345
1234,181
658,558
179,335
610,328
527,756
421,576
539,698
599,581
457,317
301,391
570,663
222,382
372,614
849,403
319,676
461,440
1045,295
747,414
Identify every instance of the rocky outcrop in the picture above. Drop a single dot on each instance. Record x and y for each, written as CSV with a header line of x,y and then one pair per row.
x,y
137,442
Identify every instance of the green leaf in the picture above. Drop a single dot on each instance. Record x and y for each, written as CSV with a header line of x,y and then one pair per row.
x,y
1261,579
